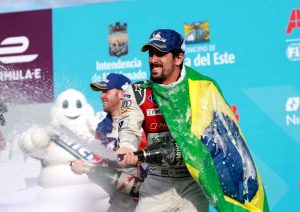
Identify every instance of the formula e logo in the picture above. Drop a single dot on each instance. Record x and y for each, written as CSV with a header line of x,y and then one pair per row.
x,y
15,45
292,104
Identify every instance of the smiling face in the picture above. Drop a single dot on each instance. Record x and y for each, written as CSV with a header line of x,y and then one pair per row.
x,y
112,100
71,108
164,67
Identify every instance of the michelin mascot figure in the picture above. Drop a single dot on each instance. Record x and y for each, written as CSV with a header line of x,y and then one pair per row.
x,y
56,149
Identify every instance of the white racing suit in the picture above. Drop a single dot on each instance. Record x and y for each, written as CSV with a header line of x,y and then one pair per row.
x,y
120,199
167,187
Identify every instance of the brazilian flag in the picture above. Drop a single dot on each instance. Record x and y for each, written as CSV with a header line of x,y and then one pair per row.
x,y
211,142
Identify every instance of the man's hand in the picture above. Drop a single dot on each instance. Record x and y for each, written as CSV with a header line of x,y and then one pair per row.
x,y
129,157
79,167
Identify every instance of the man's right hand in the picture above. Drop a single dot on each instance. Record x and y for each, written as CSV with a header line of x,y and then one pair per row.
x,y
79,167
129,157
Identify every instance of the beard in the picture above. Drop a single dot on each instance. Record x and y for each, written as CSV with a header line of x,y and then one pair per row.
x,y
158,77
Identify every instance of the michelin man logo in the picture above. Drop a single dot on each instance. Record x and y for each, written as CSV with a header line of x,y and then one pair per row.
x,y
292,104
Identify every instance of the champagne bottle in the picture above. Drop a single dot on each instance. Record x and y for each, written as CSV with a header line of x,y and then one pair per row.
x,y
123,182
164,152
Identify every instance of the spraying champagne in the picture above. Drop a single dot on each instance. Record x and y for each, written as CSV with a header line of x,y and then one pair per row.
x,y
164,152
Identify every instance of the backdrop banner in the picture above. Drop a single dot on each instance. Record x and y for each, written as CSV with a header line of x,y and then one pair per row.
x,y
252,50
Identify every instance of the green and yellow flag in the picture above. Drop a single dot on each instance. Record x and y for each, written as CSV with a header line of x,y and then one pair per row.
x,y
211,142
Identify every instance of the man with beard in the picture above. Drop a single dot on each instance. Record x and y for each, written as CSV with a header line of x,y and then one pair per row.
x,y
167,187
180,105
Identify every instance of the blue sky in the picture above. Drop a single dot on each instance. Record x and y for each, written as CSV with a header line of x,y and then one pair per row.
x,y
22,5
